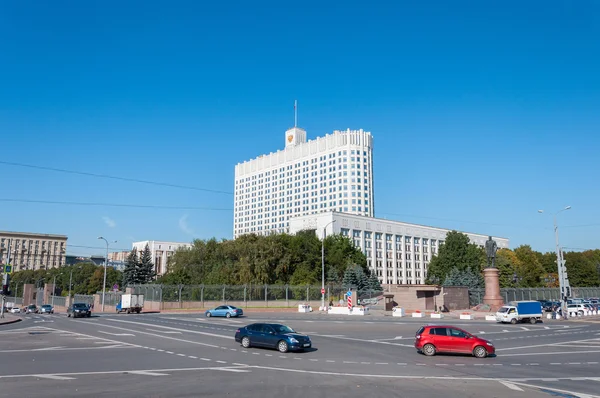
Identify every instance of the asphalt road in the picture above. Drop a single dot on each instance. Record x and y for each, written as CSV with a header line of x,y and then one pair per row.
x,y
160,355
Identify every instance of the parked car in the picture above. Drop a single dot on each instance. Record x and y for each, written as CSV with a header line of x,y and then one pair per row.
x,y
32,309
272,335
46,309
225,310
433,339
79,310
15,310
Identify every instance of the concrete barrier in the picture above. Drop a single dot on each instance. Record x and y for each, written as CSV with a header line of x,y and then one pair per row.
x,y
490,318
359,311
338,311
418,315
397,311
437,316
467,316
304,308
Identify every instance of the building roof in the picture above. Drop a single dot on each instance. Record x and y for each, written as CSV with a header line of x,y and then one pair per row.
x,y
33,235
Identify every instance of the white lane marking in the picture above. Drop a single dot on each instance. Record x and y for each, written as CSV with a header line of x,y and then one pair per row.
x,y
481,332
572,393
180,355
148,373
193,357
546,327
204,359
169,352
163,331
511,386
551,353
524,328
172,328
232,370
116,334
54,377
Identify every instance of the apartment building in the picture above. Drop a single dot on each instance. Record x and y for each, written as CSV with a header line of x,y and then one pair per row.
x,y
26,250
161,251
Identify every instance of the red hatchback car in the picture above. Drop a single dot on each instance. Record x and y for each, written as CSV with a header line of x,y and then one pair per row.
x,y
432,339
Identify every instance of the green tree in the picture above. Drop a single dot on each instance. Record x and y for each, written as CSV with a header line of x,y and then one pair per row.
x,y
581,269
355,277
530,272
455,252
131,271
373,283
146,266
469,277
508,263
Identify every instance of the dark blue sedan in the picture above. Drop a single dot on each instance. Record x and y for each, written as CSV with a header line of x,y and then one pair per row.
x,y
272,335
225,310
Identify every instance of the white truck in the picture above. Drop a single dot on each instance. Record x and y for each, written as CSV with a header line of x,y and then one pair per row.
x,y
520,311
131,303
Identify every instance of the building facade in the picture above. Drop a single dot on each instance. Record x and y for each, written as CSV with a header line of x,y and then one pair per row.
x,y
398,252
161,251
118,256
25,250
334,172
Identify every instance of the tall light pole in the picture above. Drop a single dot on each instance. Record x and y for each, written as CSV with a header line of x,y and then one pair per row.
x,y
563,280
105,264
71,281
54,289
323,265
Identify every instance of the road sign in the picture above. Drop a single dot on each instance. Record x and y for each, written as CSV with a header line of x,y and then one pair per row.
x,y
322,291
349,303
8,269
349,294
116,287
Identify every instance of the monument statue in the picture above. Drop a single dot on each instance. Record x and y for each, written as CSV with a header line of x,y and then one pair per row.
x,y
490,249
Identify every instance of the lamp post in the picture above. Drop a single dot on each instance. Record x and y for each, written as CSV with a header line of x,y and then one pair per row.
x,y
563,280
54,289
71,281
105,264
323,265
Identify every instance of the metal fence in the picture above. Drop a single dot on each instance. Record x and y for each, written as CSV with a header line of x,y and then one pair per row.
x,y
533,293
59,301
83,298
15,300
272,295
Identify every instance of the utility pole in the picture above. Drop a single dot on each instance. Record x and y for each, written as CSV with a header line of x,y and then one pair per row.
x,y
323,265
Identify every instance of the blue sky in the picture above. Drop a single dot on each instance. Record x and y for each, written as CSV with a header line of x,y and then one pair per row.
x,y
481,113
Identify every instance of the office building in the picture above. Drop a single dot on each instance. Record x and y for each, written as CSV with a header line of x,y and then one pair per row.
x,y
161,251
25,250
398,252
334,172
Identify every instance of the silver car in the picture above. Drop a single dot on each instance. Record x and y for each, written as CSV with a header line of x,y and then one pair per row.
x,y
46,309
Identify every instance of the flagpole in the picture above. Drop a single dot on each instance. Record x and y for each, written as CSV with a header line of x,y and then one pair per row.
x,y
295,113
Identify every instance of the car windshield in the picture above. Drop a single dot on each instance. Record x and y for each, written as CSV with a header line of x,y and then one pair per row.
x,y
503,309
282,329
79,306
46,306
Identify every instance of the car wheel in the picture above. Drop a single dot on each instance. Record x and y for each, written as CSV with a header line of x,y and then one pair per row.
x,y
282,346
228,315
480,352
246,342
533,321
208,315
513,321
429,350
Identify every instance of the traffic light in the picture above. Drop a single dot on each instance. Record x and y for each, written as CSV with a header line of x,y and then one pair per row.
x,y
568,289
5,290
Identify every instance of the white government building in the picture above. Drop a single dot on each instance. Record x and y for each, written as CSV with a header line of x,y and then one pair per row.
x,y
328,182
334,172
161,251
398,252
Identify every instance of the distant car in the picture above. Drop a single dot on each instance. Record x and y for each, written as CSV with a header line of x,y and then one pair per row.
x,y
433,339
272,335
79,310
32,309
46,309
225,310
15,310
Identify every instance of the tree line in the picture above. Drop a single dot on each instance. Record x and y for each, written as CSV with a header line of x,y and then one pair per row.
x,y
274,259
461,263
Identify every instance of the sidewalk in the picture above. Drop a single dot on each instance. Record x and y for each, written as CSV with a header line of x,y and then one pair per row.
x,y
8,319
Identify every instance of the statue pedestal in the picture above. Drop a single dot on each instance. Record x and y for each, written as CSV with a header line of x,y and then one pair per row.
x,y
492,289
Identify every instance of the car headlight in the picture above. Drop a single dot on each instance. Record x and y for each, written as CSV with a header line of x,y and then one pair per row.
x,y
293,340
490,344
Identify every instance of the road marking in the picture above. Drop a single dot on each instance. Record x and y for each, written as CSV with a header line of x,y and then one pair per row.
x,y
54,377
169,352
180,355
511,386
172,328
204,359
116,334
147,373
220,361
233,370
193,357
164,331
551,353
546,327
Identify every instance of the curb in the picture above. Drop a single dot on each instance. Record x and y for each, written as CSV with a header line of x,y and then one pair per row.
x,y
10,322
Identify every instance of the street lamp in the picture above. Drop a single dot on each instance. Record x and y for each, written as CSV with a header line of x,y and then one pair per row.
x,y
71,281
323,265
54,289
105,264
563,280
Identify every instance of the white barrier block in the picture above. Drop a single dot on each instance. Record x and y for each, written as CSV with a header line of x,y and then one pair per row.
x,y
585,313
359,311
397,311
549,316
558,316
418,315
303,308
338,310
437,316
490,318
466,316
